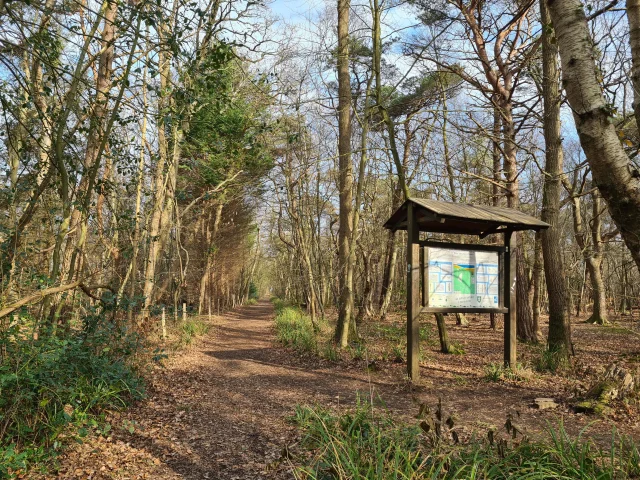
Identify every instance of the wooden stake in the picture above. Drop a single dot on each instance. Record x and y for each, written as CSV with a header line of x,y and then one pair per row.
x,y
413,295
510,280
164,324
175,311
184,312
209,308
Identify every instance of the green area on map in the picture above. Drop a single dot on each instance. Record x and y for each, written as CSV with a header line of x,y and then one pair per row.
x,y
464,279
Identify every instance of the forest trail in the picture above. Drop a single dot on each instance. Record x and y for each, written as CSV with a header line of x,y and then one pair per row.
x,y
218,410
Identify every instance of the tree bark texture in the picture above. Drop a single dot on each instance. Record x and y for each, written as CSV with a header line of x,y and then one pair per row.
x,y
345,176
559,337
614,174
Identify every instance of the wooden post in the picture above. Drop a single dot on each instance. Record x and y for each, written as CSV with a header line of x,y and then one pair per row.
x,y
175,310
184,312
510,300
425,276
164,324
209,308
413,295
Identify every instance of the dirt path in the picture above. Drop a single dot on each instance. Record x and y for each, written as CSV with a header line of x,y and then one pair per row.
x,y
226,402
219,410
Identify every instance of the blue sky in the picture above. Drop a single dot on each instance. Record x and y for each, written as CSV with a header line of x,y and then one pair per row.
x,y
292,9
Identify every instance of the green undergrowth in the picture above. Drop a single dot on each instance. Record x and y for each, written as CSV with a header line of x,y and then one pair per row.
x,y
495,372
57,387
550,361
192,328
370,444
294,328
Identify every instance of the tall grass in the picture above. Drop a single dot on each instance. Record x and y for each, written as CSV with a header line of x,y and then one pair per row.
x,y
192,328
356,445
294,329
362,444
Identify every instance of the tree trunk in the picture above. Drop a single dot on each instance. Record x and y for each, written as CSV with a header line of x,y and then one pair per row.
x,y
445,347
599,314
633,17
386,291
138,208
496,192
365,301
594,264
95,143
391,256
345,177
525,330
613,172
559,337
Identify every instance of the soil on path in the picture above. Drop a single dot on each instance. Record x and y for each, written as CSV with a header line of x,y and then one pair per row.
x,y
219,410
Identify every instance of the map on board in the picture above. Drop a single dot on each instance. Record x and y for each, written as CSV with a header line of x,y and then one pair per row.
x,y
463,278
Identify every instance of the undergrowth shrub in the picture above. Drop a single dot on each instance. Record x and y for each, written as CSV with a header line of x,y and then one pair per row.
x,y
253,291
551,361
356,444
294,329
358,351
495,372
61,383
191,329
398,353
331,353
363,444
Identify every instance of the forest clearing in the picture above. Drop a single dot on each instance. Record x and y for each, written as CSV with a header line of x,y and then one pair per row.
x,y
319,239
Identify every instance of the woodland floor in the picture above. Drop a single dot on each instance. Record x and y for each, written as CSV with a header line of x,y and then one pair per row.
x,y
219,410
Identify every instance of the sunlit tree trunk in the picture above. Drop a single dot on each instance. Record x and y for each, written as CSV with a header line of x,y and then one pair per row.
x,y
95,143
345,178
633,17
594,265
159,186
525,327
612,171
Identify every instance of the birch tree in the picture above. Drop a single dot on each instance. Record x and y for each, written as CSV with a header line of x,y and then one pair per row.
x,y
615,175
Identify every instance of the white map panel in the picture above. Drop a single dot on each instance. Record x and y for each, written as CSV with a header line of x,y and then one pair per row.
x,y
463,278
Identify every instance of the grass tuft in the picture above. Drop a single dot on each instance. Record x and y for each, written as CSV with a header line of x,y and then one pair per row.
x,y
191,329
551,361
495,372
294,329
364,444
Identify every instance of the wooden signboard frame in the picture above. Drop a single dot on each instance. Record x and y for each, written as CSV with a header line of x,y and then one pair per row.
x,y
421,215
